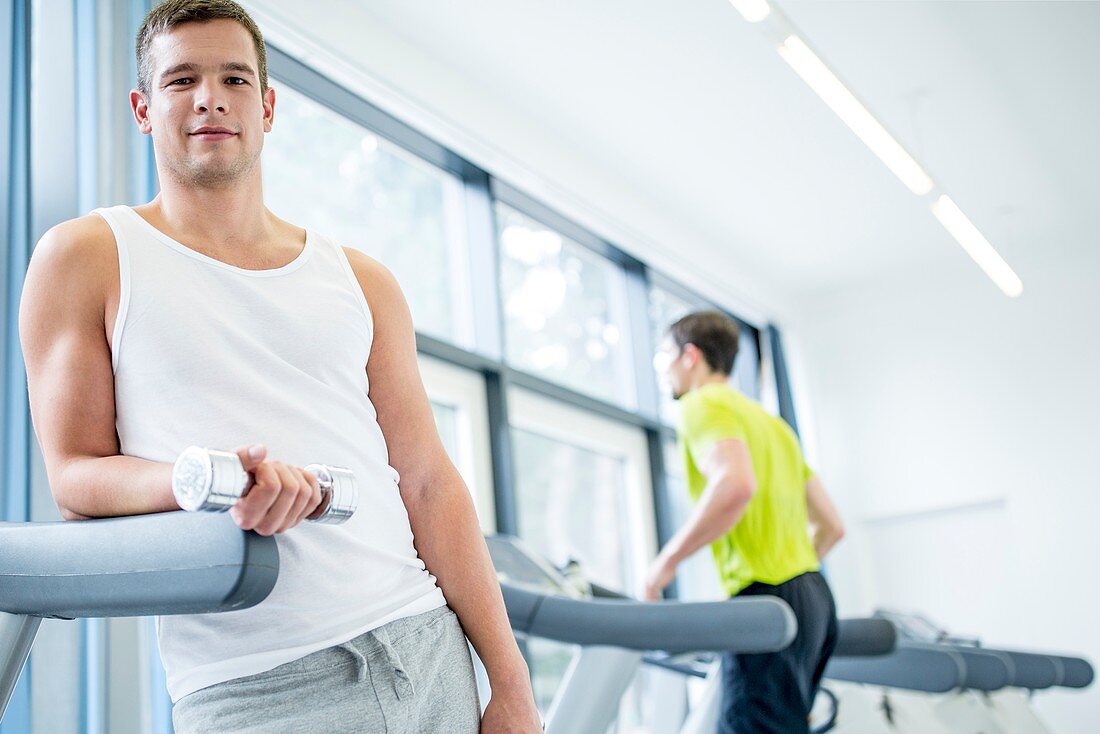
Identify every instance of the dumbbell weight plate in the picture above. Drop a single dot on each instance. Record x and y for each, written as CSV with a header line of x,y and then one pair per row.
x,y
208,480
339,492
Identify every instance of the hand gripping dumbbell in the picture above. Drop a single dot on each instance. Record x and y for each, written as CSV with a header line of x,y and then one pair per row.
x,y
205,480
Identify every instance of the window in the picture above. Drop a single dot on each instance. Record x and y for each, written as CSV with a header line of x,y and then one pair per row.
x,y
746,370
583,491
459,405
446,419
565,314
697,577
337,178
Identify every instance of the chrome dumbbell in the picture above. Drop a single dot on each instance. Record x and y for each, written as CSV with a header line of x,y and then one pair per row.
x,y
205,480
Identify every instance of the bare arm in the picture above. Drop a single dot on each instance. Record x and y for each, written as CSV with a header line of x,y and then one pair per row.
x,y
731,484
71,279
441,511
826,528
69,297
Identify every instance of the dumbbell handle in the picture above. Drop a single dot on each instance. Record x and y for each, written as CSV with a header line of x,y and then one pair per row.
x,y
206,480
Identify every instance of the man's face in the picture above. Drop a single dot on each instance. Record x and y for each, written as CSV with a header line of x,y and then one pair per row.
x,y
671,370
205,76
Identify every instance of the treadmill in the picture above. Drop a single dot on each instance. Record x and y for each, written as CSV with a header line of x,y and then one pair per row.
x,y
617,634
938,683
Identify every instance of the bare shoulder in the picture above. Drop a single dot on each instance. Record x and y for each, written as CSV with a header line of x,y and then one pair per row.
x,y
378,283
82,245
364,265
73,272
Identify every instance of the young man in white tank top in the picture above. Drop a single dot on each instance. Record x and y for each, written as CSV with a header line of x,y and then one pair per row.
x,y
196,319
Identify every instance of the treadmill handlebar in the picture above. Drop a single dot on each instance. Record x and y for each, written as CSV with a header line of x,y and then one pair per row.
x,y
938,668
1075,672
922,668
865,637
751,625
1029,670
169,563
1035,671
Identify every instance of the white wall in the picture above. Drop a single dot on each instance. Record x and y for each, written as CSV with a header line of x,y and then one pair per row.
x,y
957,429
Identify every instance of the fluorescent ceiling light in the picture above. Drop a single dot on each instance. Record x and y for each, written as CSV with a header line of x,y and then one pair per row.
x,y
977,246
753,10
814,72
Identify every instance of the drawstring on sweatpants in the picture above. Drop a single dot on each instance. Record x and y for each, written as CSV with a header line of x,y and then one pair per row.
x,y
361,667
401,683
402,686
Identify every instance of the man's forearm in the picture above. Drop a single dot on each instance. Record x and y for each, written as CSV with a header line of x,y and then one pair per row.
x,y
449,541
718,510
113,486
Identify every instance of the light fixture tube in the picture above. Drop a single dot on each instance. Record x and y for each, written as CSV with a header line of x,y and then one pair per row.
x,y
753,10
977,246
814,72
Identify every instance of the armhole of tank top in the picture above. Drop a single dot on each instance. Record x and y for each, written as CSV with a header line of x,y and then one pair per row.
x,y
123,285
355,287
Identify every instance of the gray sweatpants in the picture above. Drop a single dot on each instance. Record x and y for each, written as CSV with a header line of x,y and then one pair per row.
x,y
409,676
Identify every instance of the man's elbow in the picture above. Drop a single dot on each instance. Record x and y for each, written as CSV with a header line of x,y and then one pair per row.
x,y
738,494
63,497
64,506
430,487
838,532
829,532
67,514
745,490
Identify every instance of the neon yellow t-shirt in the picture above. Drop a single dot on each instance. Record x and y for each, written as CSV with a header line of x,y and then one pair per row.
x,y
771,543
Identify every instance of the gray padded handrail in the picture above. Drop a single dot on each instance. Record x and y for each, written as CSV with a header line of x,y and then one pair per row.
x,y
914,668
865,637
1077,672
986,670
1026,670
756,624
1033,671
171,563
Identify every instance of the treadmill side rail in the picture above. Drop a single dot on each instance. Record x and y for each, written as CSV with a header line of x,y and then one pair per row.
x,y
750,625
915,668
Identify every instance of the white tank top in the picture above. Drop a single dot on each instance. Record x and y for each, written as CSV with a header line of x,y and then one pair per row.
x,y
208,354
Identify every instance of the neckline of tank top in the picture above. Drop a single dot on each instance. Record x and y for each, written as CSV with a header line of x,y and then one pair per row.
x,y
290,267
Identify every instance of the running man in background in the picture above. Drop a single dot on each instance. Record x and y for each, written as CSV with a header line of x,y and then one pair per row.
x,y
766,517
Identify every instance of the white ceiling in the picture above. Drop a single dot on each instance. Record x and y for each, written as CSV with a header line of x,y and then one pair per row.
x,y
688,111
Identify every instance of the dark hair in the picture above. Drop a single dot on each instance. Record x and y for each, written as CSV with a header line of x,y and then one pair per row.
x,y
715,334
172,13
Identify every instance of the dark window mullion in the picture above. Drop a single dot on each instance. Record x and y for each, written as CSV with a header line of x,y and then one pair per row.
x,y
500,442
